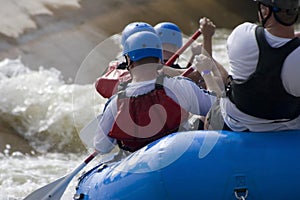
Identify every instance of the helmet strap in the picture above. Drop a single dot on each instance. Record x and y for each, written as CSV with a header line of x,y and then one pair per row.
x,y
128,62
264,20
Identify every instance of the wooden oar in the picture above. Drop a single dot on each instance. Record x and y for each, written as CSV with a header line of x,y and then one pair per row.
x,y
54,190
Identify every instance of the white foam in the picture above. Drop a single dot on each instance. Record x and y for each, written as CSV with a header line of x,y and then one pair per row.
x,y
43,108
17,16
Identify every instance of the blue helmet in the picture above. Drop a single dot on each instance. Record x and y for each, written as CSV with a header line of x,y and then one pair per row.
x,y
169,33
135,27
142,45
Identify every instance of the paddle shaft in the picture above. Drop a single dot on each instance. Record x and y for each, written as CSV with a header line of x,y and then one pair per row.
x,y
183,48
188,71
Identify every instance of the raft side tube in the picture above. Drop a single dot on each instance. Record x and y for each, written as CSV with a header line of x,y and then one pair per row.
x,y
205,165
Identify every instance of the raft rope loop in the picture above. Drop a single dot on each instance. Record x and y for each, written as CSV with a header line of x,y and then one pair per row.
x,y
241,197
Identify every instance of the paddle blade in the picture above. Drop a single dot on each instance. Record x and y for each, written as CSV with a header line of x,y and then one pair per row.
x,y
45,191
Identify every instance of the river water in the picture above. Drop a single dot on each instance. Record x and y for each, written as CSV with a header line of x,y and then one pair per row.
x,y
48,113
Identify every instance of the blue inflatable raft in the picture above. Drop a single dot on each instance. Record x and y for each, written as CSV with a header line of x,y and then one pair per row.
x,y
202,165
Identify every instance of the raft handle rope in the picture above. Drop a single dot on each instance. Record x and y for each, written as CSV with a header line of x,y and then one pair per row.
x,y
241,197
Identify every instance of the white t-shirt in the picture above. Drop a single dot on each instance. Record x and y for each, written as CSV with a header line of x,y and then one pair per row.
x,y
183,91
243,58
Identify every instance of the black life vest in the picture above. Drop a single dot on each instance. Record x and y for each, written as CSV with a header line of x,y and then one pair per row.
x,y
263,95
145,118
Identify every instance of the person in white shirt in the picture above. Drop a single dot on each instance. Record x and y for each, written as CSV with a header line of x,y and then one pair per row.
x,y
264,90
151,105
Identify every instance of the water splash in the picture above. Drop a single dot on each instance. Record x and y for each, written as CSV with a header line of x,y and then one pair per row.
x,y
43,109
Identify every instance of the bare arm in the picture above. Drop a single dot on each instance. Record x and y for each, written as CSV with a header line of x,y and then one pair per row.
x,y
205,66
172,71
196,49
207,28
220,69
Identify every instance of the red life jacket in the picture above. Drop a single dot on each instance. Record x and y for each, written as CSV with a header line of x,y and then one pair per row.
x,y
107,84
145,118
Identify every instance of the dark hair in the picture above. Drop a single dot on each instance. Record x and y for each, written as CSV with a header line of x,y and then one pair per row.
x,y
286,17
